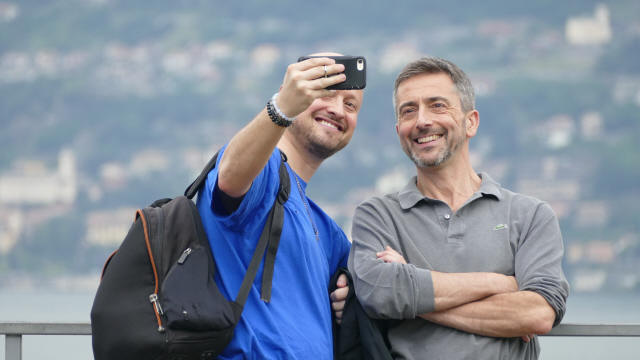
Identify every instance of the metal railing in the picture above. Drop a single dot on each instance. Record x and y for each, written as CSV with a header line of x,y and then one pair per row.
x,y
13,332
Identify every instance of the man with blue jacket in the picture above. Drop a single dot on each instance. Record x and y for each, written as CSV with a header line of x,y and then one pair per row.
x,y
307,123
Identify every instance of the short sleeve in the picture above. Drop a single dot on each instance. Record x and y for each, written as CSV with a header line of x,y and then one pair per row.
x,y
256,202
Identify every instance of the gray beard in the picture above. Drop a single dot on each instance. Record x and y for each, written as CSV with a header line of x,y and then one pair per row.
x,y
442,157
437,162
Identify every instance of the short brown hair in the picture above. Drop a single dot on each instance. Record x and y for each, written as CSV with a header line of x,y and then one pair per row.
x,y
434,65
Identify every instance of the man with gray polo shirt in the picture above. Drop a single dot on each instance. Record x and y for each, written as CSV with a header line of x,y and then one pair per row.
x,y
472,269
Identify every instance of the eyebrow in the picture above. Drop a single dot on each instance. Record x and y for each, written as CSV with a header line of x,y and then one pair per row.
x,y
405,104
438,98
427,100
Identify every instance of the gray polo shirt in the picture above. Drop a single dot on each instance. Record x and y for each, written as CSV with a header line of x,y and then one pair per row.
x,y
496,230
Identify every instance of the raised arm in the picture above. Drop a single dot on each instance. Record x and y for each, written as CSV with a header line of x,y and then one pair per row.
x,y
249,150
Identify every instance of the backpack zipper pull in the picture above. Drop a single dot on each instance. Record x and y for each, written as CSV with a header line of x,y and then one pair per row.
x,y
153,298
184,255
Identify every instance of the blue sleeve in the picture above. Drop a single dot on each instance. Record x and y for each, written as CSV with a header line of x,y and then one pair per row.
x,y
341,247
256,202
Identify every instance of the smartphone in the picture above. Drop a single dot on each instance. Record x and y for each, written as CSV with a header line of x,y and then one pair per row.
x,y
355,67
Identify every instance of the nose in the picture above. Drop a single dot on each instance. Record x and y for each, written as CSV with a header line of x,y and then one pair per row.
x,y
335,106
424,118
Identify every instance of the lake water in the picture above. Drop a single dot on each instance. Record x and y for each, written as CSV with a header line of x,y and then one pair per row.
x,y
22,305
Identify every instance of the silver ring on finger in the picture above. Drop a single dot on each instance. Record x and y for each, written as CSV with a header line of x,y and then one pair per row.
x,y
325,70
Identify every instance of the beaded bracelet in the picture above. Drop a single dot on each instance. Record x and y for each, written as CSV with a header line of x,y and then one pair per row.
x,y
275,106
273,115
277,116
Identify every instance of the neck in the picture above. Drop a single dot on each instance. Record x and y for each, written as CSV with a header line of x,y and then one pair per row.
x,y
299,159
453,183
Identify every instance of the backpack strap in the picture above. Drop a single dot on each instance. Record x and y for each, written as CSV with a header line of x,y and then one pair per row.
x,y
192,189
275,229
269,238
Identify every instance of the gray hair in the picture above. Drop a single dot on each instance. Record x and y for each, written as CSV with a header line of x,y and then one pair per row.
x,y
435,65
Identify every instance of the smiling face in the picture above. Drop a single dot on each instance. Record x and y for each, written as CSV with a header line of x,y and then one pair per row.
x,y
327,125
431,126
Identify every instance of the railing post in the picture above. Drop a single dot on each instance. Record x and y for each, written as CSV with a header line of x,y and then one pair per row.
x,y
13,347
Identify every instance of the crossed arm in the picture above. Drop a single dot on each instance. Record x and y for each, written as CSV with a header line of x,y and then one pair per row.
x,y
515,314
487,304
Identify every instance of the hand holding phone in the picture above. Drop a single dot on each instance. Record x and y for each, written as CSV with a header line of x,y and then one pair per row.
x,y
355,69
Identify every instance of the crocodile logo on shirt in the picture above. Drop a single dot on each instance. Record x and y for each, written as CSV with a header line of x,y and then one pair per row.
x,y
501,227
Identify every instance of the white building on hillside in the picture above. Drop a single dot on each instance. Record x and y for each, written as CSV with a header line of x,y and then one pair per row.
x,y
108,227
585,30
39,186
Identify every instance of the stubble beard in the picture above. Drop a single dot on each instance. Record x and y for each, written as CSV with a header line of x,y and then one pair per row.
x,y
424,163
442,157
317,145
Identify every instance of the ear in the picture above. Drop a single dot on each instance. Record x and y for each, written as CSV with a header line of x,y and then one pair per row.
x,y
473,121
397,133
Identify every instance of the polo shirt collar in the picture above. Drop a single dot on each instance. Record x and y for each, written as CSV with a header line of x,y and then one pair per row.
x,y
409,196
489,186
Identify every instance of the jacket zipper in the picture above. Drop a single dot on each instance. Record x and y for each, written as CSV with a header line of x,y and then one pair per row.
x,y
153,298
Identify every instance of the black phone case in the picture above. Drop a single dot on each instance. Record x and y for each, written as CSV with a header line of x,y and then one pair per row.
x,y
356,79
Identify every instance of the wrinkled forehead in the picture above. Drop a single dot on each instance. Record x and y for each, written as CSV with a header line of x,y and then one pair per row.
x,y
427,85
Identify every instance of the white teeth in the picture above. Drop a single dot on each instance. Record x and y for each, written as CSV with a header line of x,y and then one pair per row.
x,y
425,139
326,123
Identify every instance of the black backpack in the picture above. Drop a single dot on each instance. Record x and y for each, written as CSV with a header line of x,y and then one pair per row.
x,y
358,337
157,298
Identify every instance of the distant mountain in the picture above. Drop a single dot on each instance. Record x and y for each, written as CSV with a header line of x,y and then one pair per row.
x,y
143,93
